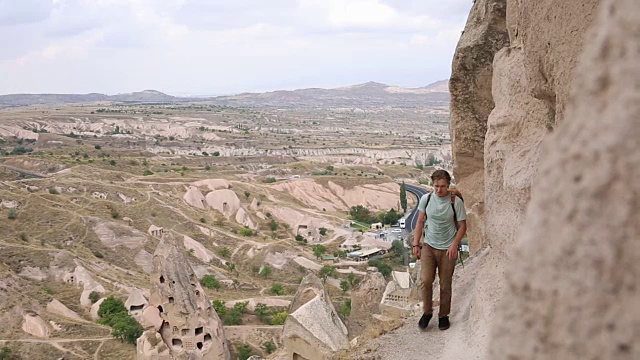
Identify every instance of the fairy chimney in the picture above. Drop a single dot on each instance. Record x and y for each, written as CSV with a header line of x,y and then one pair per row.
x,y
179,312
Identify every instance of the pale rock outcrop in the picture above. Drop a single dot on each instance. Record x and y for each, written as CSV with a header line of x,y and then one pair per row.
x,y
194,197
243,218
58,308
113,234
94,309
225,201
213,184
135,302
198,250
144,260
81,277
34,325
471,102
572,294
190,328
313,330
365,302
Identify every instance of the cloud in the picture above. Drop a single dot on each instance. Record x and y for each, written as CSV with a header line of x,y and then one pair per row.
x,y
220,46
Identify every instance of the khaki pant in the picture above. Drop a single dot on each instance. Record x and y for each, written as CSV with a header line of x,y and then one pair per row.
x,y
430,260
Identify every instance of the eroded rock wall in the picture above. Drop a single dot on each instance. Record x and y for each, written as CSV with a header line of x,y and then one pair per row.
x,y
573,292
471,102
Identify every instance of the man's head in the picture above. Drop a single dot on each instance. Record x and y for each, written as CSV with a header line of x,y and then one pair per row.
x,y
441,181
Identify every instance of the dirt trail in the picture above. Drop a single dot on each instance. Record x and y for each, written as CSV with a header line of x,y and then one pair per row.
x,y
456,343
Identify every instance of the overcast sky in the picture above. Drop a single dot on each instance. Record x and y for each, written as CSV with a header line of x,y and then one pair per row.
x,y
212,47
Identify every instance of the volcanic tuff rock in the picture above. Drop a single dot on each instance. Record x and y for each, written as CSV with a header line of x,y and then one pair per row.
x,y
365,302
313,329
179,311
471,102
589,310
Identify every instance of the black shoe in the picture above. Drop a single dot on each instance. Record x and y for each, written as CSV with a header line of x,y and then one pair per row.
x,y
424,321
443,323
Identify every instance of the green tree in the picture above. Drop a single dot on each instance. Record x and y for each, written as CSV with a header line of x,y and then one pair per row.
x,y
319,250
262,312
247,194
361,214
277,289
397,247
5,352
301,239
110,309
327,271
345,285
112,163
269,180
210,282
266,271
383,268
403,197
220,307
126,328
216,153
391,217
323,231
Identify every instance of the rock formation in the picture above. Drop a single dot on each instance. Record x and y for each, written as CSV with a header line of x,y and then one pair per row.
x,y
365,302
184,324
313,329
583,190
471,102
582,230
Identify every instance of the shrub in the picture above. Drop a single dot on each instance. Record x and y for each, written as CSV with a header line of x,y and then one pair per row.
x,y
147,172
277,289
345,310
245,231
115,213
13,214
216,153
5,352
98,254
23,237
323,231
383,268
266,271
53,191
224,252
110,309
210,282
273,225
279,318
244,352
112,162
269,347
203,220
247,194
94,296
301,239
326,271
207,167
269,180
345,285
97,147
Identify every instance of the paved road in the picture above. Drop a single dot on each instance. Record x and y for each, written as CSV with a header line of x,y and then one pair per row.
x,y
412,219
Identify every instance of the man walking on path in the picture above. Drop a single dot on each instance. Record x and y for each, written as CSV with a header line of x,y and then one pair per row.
x,y
446,225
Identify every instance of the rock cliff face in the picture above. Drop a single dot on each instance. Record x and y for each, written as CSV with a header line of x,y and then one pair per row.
x,y
313,329
471,102
365,302
578,189
183,323
581,231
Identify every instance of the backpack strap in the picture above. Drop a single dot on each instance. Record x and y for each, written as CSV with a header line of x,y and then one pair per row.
x,y
455,221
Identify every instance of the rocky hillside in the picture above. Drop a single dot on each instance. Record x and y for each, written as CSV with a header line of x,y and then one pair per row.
x,y
544,123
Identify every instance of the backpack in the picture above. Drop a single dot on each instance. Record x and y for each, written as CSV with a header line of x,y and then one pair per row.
x,y
455,221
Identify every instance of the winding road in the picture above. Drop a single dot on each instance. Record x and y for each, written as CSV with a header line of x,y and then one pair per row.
x,y
412,219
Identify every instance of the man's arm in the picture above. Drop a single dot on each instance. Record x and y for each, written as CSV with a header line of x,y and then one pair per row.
x,y
452,252
419,228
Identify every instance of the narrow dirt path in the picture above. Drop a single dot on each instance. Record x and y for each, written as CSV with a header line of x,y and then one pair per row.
x,y
459,342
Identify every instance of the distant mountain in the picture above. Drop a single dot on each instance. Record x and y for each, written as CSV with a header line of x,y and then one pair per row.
x,y
370,94
145,96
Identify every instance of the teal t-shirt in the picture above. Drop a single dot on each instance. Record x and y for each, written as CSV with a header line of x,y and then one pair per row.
x,y
440,227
